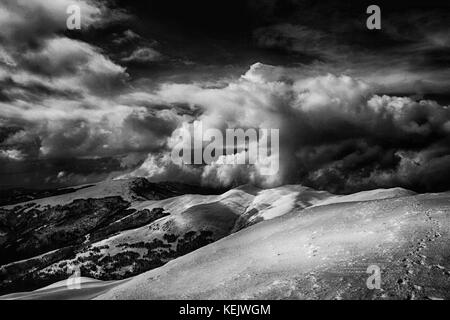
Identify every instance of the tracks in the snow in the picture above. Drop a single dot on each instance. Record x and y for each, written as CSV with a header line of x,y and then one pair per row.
x,y
416,259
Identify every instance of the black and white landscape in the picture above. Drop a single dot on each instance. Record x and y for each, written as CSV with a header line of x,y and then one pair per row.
x,y
93,205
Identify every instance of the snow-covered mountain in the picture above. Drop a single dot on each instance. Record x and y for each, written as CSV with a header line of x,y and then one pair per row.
x,y
286,242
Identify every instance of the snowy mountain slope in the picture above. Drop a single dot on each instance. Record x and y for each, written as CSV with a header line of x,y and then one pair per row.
x,y
186,223
164,239
39,238
110,237
206,218
376,194
88,288
321,253
271,203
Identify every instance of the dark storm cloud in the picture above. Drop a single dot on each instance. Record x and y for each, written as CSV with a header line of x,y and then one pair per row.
x,y
414,39
330,36
60,98
353,105
57,172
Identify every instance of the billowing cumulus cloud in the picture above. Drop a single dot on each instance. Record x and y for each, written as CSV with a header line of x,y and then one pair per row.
x,y
335,133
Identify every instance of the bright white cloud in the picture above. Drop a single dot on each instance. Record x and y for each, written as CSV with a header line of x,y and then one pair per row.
x,y
331,127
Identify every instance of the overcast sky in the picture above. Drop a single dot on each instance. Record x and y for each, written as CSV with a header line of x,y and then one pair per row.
x,y
356,108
